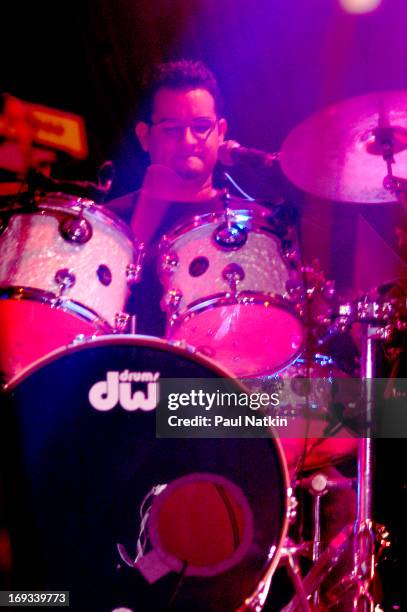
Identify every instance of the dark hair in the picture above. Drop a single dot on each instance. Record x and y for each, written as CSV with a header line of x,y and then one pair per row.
x,y
179,75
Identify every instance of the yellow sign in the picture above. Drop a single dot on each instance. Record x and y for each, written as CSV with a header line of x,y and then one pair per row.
x,y
34,123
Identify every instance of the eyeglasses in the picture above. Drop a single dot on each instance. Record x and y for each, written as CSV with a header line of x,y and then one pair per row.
x,y
201,129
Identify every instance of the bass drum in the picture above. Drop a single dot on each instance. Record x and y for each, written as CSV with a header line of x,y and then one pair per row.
x,y
78,481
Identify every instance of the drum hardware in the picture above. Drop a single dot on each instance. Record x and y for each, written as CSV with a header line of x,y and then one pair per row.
x,y
376,318
292,507
170,302
328,559
291,564
121,322
319,485
381,543
80,339
65,279
133,274
168,258
318,489
307,587
288,559
168,262
319,482
386,314
387,142
76,229
134,270
229,235
183,345
233,275
313,298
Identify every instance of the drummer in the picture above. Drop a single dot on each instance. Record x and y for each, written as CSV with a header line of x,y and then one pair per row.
x,y
181,126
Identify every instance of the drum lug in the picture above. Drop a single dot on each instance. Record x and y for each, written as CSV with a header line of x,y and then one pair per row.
x,y
133,274
170,302
121,322
233,274
65,279
76,229
168,262
134,270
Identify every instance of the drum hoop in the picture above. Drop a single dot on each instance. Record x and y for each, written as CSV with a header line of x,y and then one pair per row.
x,y
61,203
226,299
247,297
255,222
159,343
58,303
119,339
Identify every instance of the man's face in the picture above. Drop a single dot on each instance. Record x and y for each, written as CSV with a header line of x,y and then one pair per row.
x,y
185,133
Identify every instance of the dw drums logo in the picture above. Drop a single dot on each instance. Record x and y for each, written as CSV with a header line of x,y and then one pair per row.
x,y
118,389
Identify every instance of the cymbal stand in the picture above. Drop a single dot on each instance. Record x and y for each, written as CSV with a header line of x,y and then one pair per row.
x,y
318,488
374,321
364,531
394,184
364,534
375,326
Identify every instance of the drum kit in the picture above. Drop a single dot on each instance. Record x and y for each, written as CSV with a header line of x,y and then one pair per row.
x,y
239,306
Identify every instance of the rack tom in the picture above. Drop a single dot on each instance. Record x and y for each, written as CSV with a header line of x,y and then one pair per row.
x,y
227,279
64,263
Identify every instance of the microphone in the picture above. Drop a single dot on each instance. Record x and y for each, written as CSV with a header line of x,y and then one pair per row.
x,y
231,152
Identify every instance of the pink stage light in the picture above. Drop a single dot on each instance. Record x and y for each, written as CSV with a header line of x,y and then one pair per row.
x,y
359,6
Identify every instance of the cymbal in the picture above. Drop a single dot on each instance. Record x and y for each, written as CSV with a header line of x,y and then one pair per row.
x,y
337,153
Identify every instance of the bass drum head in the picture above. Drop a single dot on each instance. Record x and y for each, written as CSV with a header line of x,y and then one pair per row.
x,y
75,479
